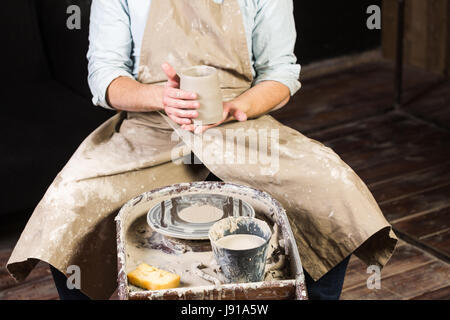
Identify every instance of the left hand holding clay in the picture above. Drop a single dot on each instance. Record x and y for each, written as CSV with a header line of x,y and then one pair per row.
x,y
230,112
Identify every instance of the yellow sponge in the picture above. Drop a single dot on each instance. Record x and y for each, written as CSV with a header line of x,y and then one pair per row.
x,y
151,278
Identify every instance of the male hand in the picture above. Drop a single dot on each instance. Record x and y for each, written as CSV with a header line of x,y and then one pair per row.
x,y
230,112
179,105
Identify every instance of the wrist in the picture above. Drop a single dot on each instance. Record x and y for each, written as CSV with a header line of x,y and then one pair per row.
x,y
152,97
241,105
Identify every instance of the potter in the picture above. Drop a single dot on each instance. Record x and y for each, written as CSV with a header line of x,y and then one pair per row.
x,y
136,48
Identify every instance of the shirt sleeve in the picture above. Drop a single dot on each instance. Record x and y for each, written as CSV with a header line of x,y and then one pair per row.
x,y
273,41
110,46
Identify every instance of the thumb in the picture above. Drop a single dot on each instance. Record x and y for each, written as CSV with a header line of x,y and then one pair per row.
x,y
171,74
239,115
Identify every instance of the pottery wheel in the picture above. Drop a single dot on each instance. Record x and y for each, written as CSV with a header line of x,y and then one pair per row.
x,y
167,217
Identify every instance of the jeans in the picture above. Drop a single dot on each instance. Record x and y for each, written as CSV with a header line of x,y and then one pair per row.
x,y
328,287
63,291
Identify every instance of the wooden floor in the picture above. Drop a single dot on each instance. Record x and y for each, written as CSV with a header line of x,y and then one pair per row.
x,y
402,154
410,274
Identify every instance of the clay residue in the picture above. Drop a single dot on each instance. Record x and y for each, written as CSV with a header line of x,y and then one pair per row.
x,y
200,214
173,255
276,266
195,264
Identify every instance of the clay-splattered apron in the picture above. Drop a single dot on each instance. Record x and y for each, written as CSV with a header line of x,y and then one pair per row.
x,y
332,212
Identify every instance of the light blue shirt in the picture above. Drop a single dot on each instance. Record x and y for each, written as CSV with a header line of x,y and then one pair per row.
x,y
117,28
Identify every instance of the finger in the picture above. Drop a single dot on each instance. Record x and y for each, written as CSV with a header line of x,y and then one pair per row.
x,y
173,79
169,71
188,127
201,129
183,104
181,113
180,121
239,115
227,111
180,94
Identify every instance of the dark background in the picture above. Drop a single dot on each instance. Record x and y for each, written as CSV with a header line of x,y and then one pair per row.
x,y
327,29
46,108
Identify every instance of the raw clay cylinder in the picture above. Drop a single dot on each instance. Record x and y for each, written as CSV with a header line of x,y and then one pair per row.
x,y
204,81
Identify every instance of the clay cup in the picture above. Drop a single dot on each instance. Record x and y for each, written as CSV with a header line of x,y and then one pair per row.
x,y
204,81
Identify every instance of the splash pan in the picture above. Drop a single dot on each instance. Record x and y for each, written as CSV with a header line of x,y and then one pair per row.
x,y
137,242
165,217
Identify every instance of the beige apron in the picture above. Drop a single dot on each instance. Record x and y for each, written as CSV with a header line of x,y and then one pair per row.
x,y
332,212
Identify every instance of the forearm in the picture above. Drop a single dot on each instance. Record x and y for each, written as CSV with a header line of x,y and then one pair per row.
x,y
127,94
262,98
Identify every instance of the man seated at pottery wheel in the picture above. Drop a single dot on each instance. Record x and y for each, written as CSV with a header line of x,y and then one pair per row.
x,y
136,49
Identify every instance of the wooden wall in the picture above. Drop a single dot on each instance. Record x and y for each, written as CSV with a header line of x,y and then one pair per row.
x,y
427,33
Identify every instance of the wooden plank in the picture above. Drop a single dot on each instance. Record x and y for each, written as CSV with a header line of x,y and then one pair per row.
x,y
325,118
393,139
365,140
420,203
404,285
397,148
330,134
392,162
356,274
407,264
347,96
389,32
405,257
426,38
408,142
419,280
6,281
40,289
442,118
413,183
326,67
438,294
416,32
447,71
423,226
4,256
338,98
440,242
434,105
409,164
436,99
363,293
416,80
415,156
437,34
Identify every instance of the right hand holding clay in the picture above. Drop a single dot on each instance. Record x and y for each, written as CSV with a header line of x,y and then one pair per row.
x,y
179,105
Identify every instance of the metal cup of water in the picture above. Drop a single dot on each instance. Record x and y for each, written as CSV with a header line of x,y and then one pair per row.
x,y
241,265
